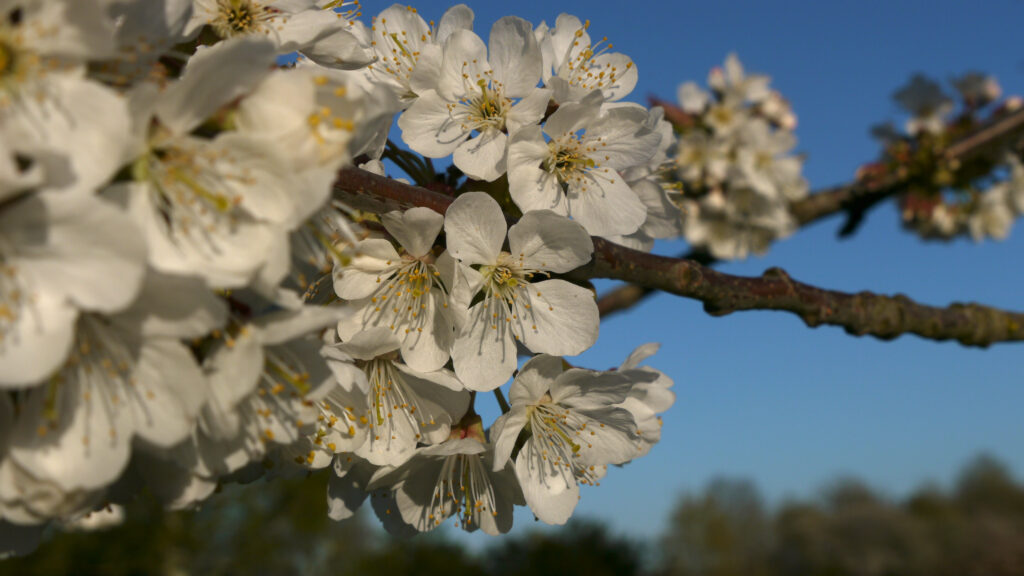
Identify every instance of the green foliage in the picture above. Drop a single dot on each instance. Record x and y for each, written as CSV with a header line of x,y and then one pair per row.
x,y
976,530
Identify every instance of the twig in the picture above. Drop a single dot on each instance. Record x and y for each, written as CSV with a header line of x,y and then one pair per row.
x,y
882,316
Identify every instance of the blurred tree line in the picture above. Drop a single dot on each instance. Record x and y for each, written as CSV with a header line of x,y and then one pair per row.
x,y
977,528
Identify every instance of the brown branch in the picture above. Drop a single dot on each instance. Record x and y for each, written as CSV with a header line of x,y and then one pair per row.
x,y
885,317
854,198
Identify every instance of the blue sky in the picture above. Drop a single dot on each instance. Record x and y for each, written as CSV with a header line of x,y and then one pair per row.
x,y
760,395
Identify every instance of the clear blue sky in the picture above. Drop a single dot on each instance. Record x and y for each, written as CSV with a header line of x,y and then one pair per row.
x,y
760,395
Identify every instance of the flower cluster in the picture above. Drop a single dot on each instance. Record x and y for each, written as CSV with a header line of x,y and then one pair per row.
x,y
735,165
183,303
948,199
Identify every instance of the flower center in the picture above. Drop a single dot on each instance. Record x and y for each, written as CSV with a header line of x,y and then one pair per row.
x,y
390,398
504,278
570,160
187,184
237,17
488,108
405,294
722,114
465,483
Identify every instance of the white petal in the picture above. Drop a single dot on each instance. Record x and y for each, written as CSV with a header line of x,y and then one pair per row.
x,y
80,133
415,229
174,306
625,78
483,156
345,495
431,128
475,228
86,449
565,318
91,251
571,117
427,346
607,206
458,17
639,354
504,434
551,498
37,346
535,379
361,277
587,389
369,344
463,65
514,55
171,389
544,240
213,77
528,111
485,353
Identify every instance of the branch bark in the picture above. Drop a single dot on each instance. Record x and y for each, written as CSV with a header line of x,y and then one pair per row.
x,y
885,317
855,198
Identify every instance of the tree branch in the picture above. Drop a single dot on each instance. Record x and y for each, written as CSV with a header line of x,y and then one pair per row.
x,y
855,198
885,317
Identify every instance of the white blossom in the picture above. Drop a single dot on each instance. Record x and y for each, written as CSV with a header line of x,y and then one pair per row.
x,y
266,378
222,207
577,172
991,216
482,96
75,129
574,65
404,293
733,223
128,377
455,478
324,36
394,406
571,421
60,256
408,51
733,84
551,316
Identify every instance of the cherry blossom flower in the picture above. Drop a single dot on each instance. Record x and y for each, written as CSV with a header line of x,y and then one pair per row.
x,y
578,172
408,50
60,256
571,421
735,222
221,207
490,92
400,406
50,112
404,293
455,478
735,85
574,66
551,316
324,36
128,378
266,378
648,397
